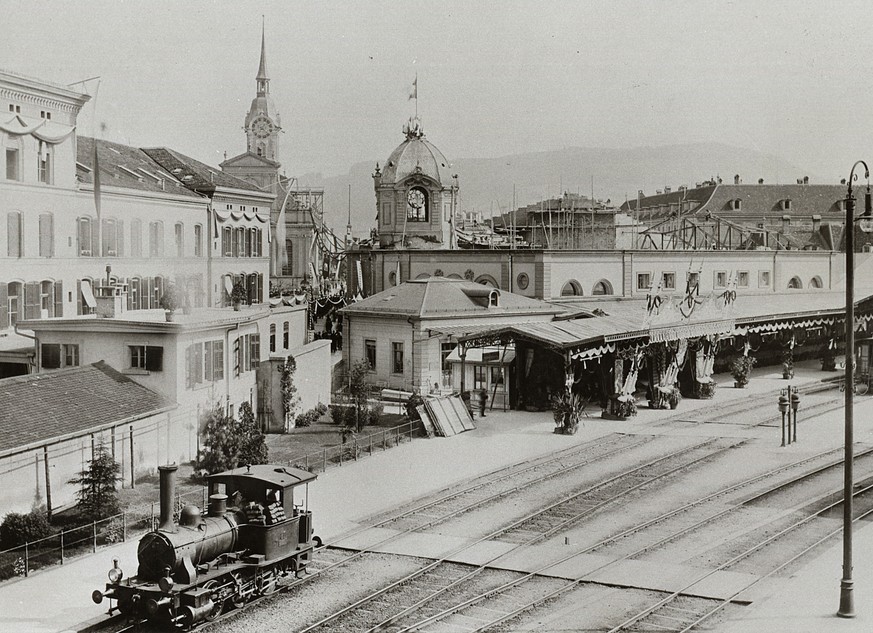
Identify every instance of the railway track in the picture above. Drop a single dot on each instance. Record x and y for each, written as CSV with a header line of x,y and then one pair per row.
x,y
433,576
470,616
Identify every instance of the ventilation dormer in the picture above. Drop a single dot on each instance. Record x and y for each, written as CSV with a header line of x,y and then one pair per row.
x,y
484,296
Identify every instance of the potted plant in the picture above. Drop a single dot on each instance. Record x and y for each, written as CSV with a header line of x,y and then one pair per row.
x,y
626,408
706,390
238,294
741,368
787,364
170,301
674,398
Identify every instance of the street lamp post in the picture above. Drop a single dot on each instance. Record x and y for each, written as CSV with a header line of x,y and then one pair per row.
x,y
795,405
783,409
847,598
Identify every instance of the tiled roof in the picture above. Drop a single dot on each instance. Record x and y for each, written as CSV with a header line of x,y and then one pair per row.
x,y
442,297
756,200
42,407
125,166
195,175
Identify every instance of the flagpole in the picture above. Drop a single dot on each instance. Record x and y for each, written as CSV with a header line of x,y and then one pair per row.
x,y
416,94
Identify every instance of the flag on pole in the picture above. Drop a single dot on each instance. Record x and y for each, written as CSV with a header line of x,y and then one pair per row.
x,y
96,172
280,251
413,94
397,274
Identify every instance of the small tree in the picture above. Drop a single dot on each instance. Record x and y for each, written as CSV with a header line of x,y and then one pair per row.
x,y
358,391
239,293
221,441
171,300
290,401
253,446
98,496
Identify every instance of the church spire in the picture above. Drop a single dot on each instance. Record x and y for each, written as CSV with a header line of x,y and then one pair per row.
x,y
262,79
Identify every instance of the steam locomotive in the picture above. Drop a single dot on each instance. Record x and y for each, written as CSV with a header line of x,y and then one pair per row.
x,y
191,571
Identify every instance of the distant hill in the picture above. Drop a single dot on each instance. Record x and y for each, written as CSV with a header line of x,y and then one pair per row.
x,y
486,184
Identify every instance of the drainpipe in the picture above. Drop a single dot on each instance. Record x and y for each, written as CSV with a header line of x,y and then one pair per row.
x,y
210,244
510,273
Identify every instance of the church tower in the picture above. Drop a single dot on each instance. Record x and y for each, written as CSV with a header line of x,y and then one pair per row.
x,y
262,123
259,164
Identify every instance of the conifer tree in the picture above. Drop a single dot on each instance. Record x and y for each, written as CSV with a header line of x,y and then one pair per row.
x,y
98,496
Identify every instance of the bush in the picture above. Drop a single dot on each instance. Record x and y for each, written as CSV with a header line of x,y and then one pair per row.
x,y
18,529
343,415
308,418
321,408
415,400
374,413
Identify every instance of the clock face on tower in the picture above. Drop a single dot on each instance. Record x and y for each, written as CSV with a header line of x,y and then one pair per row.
x,y
262,127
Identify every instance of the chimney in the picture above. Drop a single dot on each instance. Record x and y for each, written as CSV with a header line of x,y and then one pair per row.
x,y
737,179
168,496
760,181
217,505
806,180
667,189
816,222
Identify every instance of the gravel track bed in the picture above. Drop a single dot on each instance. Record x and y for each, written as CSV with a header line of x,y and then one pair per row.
x,y
496,479
324,594
515,506
620,491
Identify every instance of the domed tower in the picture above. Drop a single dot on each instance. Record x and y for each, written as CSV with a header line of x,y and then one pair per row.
x,y
416,194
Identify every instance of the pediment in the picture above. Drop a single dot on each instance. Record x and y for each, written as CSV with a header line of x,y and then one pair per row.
x,y
249,160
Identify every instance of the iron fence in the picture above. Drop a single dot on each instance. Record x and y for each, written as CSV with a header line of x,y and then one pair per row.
x,y
86,539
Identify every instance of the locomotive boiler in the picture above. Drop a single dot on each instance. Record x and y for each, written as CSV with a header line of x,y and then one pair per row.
x,y
192,570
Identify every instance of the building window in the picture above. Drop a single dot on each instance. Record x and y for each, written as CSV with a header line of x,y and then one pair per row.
x,y
46,298
480,373
523,281
720,279
416,205
193,365
213,360
156,239
58,355
14,234
250,241
743,279
12,164
46,235
44,165
602,287
272,337
110,237
146,357
286,334
644,281
795,284
15,302
397,358
571,289
288,268
226,242
445,350
737,204
136,238
198,240
668,281
180,239
815,282
692,281
254,350
370,353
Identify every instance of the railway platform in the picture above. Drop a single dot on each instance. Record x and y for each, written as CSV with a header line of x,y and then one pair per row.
x,y
58,599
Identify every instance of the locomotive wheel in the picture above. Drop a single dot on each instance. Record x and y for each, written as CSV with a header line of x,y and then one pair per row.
x,y
218,605
267,582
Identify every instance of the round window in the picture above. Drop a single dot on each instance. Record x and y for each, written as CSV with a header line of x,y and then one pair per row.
x,y
523,281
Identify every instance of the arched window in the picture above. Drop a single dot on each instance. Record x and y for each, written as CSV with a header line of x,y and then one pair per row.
x,y
288,268
571,289
602,287
417,205
815,282
156,239
180,239
134,293
795,283
487,280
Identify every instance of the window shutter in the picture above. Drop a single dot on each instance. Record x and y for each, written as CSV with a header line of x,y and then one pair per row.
x,y
59,298
154,360
31,300
4,308
119,237
78,296
127,282
146,301
189,373
236,357
95,239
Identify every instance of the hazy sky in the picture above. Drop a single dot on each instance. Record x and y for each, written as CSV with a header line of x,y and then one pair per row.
x,y
788,78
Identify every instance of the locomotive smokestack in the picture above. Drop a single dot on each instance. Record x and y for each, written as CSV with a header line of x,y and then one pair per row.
x,y
217,505
168,494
